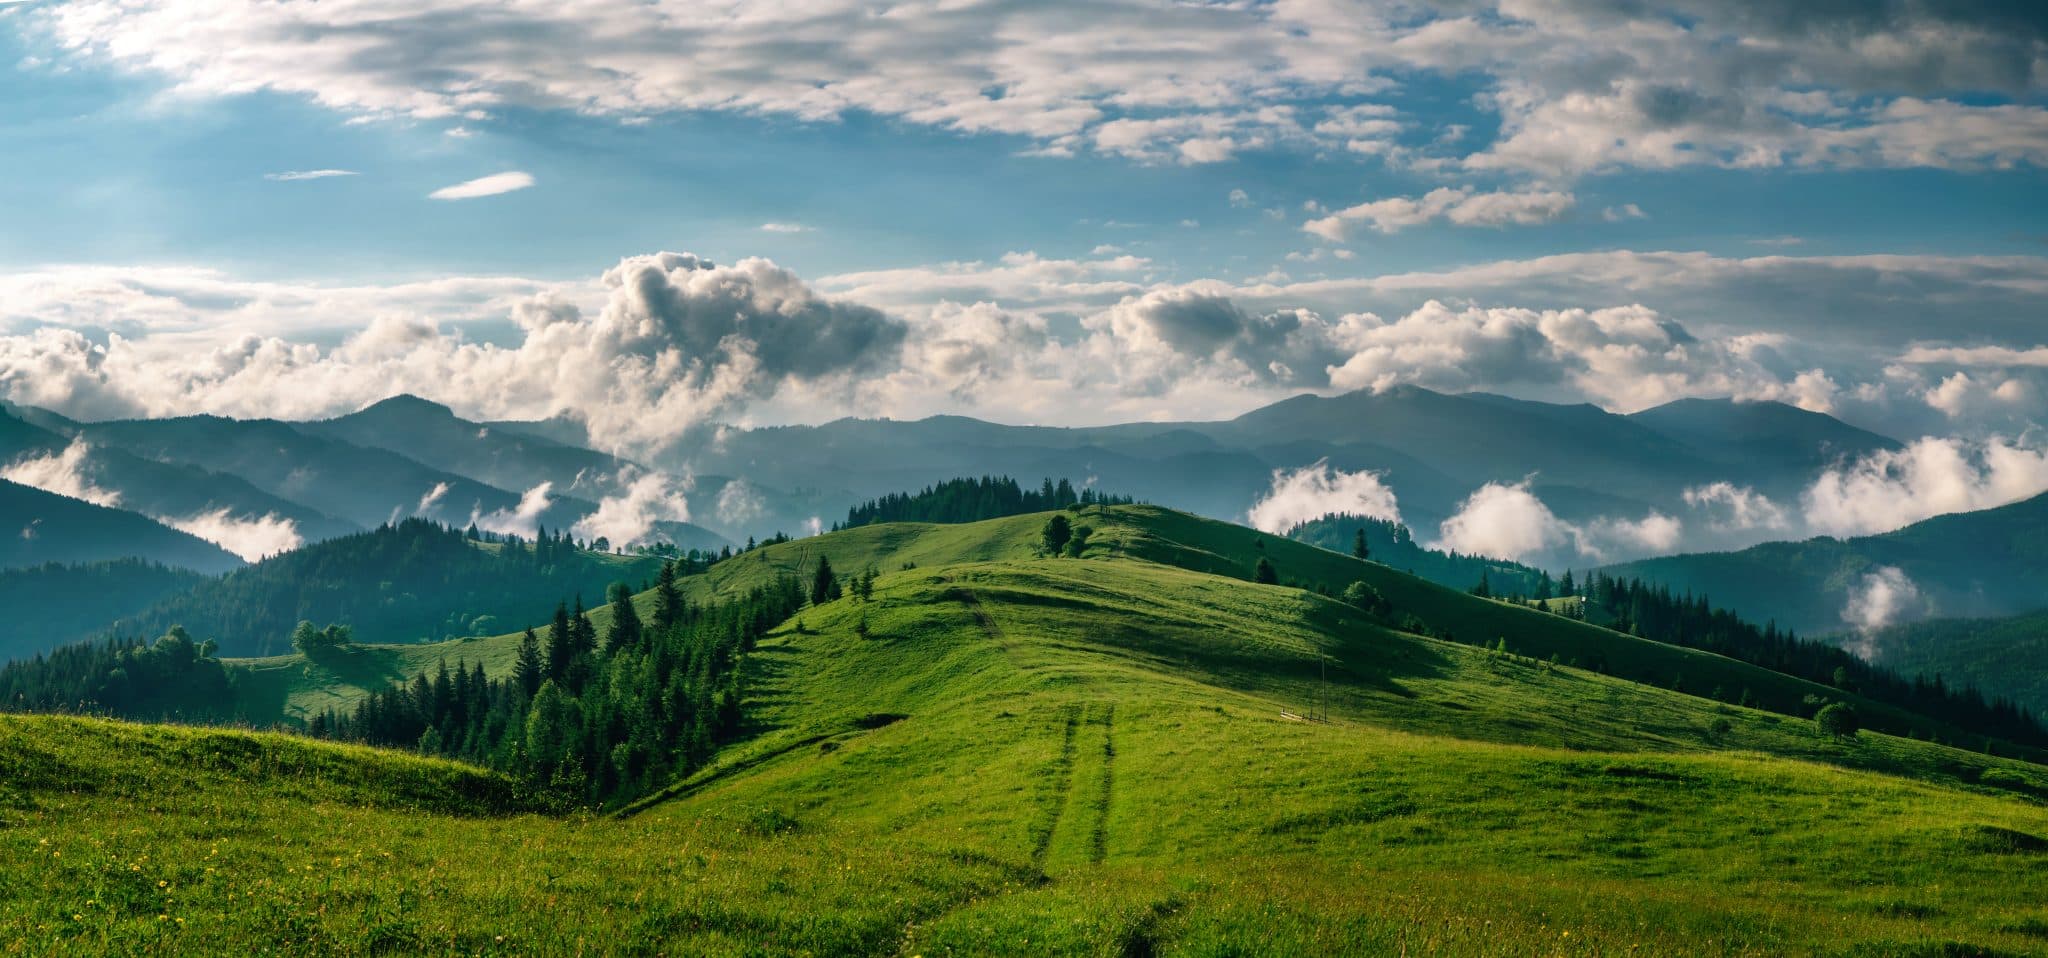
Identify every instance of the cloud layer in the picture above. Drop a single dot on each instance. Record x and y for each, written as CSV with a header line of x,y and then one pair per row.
x,y
1573,85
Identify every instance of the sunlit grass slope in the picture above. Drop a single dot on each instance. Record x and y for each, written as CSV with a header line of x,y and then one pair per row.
x,y
1071,756
286,688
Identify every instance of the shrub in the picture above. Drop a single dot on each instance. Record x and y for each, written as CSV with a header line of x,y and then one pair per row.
x,y
1838,720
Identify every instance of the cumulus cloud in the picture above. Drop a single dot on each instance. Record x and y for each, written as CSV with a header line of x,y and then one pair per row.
x,y
253,539
1505,521
628,519
1881,597
522,519
674,339
1311,492
1150,339
483,186
66,473
1459,206
1508,521
1890,489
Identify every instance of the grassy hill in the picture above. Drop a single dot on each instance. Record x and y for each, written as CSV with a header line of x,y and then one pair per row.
x,y
1086,756
1154,536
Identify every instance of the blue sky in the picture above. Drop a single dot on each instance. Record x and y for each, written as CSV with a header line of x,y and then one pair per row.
x,y
1794,217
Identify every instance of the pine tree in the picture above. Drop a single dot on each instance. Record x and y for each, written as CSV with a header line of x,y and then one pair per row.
x,y
561,643
1264,574
824,585
668,603
1358,548
625,628
529,670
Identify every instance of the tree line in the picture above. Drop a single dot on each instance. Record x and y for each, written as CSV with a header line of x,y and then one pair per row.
x,y
1654,612
972,500
173,678
597,716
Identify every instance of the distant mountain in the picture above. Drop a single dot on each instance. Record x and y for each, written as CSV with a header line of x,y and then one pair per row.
x,y
38,527
167,490
1433,449
1748,435
431,434
1989,563
365,485
49,605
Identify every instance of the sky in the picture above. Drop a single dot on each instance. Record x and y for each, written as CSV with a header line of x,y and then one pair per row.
x,y
646,215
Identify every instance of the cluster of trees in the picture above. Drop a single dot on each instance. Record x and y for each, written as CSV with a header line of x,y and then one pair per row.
x,y
593,717
972,500
1392,544
1653,612
174,677
412,581
1061,537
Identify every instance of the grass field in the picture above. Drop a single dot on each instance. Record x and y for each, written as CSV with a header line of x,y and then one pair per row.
x,y
1095,756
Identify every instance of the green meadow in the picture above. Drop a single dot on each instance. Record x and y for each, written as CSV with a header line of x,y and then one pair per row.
x,y
1133,752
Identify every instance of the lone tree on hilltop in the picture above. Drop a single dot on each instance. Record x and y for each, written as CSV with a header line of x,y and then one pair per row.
x,y
1058,532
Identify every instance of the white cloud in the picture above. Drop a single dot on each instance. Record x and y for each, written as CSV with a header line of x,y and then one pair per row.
x,y
1573,85
293,176
1504,521
1890,489
665,341
628,519
1508,521
1626,211
253,539
1240,199
433,497
1734,508
482,186
66,473
1880,598
674,339
739,503
1311,492
520,520
786,228
1459,206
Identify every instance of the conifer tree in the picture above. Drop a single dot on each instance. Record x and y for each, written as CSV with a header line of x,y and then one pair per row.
x,y
668,602
625,628
529,670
